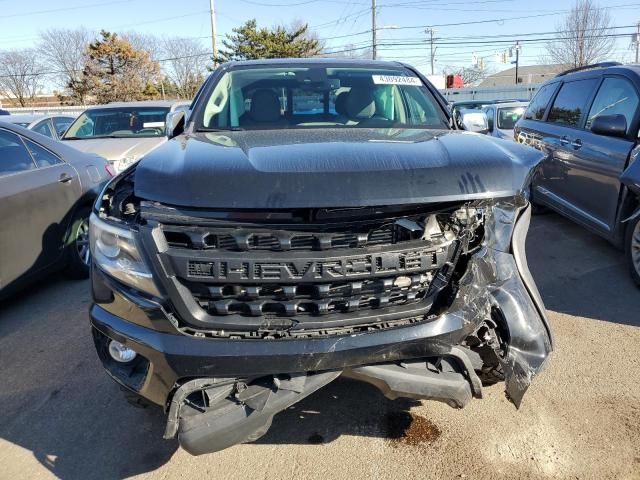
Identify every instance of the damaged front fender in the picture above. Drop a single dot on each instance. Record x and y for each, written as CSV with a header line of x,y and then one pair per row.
x,y
503,268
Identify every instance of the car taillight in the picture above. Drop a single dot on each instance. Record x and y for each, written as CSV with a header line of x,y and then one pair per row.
x,y
110,170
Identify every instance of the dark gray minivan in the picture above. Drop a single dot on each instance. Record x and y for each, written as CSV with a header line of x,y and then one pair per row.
x,y
586,120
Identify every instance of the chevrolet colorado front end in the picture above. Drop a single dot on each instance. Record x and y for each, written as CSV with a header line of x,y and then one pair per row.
x,y
312,219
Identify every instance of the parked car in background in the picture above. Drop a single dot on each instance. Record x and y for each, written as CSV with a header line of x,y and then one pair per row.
x,y
4,112
52,126
502,118
586,121
312,218
121,132
476,105
46,192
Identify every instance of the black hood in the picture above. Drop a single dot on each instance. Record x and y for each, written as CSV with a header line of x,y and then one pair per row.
x,y
335,167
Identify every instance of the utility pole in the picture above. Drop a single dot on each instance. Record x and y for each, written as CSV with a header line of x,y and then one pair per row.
x,y
517,59
432,51
214,45
374,39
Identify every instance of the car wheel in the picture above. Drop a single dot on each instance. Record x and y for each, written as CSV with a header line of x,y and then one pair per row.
x,y
633,249
79,251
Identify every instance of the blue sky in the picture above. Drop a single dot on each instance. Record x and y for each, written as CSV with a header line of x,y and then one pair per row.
x,y
337,21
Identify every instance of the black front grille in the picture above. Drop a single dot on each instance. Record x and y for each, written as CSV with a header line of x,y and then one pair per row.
x,y
249,280
309,299
243,239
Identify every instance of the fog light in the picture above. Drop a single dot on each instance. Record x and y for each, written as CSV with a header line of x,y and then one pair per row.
x,y
120,353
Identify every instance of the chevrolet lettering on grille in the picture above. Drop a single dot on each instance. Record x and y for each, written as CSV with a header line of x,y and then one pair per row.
x,y
311,269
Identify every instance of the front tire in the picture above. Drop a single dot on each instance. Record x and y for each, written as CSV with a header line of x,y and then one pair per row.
x,y
632,249
79,251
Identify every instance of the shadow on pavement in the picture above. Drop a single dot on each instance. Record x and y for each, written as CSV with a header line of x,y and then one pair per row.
x,y
59,404
579,273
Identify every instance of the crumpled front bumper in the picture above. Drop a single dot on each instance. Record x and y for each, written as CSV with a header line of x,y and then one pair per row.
x,y
497,277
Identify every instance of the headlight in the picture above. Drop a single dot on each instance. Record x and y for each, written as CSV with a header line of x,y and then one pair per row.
x,y
114,251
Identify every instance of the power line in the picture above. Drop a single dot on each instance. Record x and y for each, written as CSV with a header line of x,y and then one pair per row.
x,y
477,22
64,9
405,46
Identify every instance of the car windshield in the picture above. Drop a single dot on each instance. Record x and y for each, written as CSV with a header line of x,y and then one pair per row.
x,y
508,116
120,122
319,97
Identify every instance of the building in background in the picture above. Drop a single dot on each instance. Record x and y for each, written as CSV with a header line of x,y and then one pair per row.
x,y
533,74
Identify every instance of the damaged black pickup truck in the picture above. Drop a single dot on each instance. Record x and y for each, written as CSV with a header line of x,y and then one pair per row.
x,y
311,219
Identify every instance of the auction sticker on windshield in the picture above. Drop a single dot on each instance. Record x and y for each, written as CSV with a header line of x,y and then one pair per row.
x,y
396,80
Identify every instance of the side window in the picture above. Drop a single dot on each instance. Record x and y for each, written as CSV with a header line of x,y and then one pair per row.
x,y
538,104
42,156
43,128
14,156
61,124
571,102
615,97
421,111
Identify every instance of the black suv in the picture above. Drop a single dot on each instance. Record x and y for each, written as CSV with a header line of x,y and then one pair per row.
x,y
311,219
586,121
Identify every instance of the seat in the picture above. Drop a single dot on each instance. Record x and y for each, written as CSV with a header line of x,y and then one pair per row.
x,y
264,111
362,111
360,104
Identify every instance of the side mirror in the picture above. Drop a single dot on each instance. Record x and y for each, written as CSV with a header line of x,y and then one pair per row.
x,y
473,121
610,125
175,123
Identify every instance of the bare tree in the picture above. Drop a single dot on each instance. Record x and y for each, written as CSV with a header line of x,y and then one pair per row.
x,y
63,51
582,38
21,75
184,64
470,76
147,42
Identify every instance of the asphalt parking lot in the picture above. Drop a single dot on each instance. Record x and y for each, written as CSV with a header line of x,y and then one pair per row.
x,y
62,417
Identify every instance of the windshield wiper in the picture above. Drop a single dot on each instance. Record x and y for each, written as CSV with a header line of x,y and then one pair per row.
x,y
220,129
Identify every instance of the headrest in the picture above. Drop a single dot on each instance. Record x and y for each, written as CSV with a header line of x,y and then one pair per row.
x,y
265,106
360,103
341,103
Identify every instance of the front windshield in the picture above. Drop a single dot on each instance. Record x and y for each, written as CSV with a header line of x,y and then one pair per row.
x,y
508,116
319,97
120,122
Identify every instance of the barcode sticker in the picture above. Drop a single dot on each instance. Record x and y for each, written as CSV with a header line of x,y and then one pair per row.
x,y
396,80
